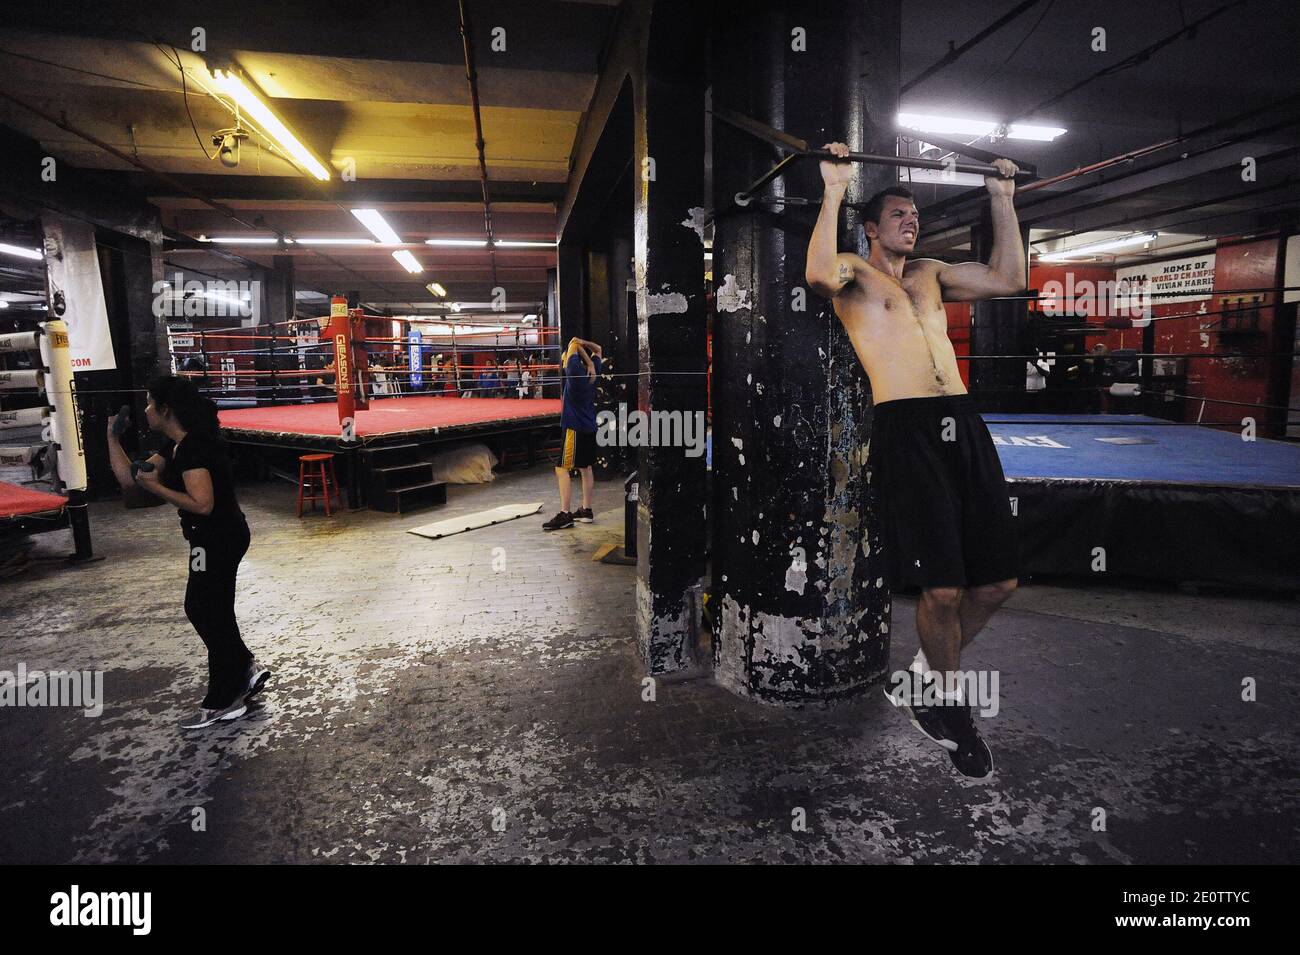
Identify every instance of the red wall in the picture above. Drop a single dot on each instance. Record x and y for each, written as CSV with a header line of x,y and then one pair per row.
x,y
1258,381
1251,380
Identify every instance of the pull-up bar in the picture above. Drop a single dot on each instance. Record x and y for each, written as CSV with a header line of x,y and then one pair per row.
x,y
799,149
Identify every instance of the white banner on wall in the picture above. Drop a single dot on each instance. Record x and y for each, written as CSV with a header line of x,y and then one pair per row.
x,y
76,292
1177,280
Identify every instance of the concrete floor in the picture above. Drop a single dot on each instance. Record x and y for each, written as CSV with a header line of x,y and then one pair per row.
x,y
424,691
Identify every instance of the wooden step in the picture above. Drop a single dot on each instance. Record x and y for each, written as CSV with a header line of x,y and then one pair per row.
x,y
392,454
392,476
399,500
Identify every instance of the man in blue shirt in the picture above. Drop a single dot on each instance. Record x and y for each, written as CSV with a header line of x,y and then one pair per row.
x,y
580,367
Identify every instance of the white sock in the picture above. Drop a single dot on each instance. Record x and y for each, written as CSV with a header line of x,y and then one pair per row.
x,y
920,664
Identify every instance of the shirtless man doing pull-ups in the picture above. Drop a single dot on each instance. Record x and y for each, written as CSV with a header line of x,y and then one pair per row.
x,y
947,526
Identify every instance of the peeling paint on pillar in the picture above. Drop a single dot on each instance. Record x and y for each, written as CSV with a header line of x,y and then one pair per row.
x,y
695,219
730,297
803,610
667,303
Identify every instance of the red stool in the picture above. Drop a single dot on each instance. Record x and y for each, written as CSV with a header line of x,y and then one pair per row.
x,y
316,472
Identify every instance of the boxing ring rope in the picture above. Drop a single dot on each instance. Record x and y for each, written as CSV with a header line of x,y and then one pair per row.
x,y
60,419
229,346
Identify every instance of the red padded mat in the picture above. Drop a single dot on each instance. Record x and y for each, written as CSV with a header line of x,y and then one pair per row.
x,y
16,501
389,415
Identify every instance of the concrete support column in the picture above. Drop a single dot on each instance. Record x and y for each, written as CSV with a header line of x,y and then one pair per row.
x,y
150,353
280,290
804,611
996,329
280,304
668,255
571,286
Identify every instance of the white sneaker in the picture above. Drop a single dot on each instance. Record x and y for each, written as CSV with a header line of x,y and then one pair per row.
x,y
207,717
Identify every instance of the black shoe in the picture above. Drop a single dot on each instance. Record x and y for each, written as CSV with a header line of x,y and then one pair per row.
x,y
972,756
927,719
204,718
257,677
584,516
559,522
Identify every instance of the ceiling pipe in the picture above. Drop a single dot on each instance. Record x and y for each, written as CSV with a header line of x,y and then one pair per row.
x,y
1288,182
1130,156
63,124
959,230
954,54
471,76
1141,56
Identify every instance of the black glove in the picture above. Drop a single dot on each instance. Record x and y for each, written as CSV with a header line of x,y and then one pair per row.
x,y
122,421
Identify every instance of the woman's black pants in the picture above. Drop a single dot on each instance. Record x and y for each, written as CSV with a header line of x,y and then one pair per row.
x,y
210,606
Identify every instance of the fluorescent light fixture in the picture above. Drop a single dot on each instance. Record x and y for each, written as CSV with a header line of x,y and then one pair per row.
x,y
405,257
1105,245
244,240
226,299
22,253
335,241
437,289
234,87
1039,134
378,226
463,243
958,126
523,244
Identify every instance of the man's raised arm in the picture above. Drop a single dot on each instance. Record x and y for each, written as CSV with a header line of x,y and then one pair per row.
x,y
827,271
1005,272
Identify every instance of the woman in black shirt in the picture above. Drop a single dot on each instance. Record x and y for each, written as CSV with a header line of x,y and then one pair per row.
x,y
193,472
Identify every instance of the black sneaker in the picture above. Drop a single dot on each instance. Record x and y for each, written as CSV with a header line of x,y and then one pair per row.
x,y
559,522
584,516
972,755
257,677
205,718
927,719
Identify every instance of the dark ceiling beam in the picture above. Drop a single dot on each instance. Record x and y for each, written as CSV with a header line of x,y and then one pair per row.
x,y
955,52
255,188
409,32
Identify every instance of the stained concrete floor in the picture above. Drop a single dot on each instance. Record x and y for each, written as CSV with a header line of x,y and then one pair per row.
x,y
479,698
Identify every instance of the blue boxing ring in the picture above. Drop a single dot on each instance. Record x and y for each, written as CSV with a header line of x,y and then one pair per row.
x,y
1099,495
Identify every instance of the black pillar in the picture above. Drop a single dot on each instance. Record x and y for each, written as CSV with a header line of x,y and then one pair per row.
x,y
997,328
668,179
550,354
280,302
804,612
570,261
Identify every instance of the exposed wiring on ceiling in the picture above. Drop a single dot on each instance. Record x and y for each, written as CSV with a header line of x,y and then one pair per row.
x,y
185,94
102,76
1010,56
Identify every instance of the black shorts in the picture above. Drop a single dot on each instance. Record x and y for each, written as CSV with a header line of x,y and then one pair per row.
x,y
945,512
579,449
